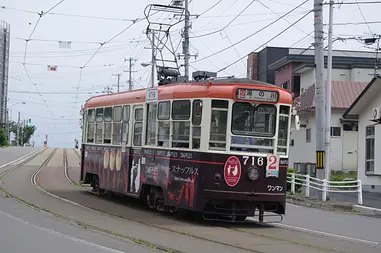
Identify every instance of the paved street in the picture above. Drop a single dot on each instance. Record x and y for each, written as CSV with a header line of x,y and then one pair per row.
x,y
341,224
10,154
26,230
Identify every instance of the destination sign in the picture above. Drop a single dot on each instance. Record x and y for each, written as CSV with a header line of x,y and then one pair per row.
x,y
258,95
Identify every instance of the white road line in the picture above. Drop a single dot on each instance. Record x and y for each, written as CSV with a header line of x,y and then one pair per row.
x,y
327,234
71,238
19,159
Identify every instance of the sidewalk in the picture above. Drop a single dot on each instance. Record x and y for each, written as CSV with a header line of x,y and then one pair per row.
x,y
344,202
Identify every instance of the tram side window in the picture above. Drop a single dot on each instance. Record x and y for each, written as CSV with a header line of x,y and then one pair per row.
x,y
163,116
181,123
107,125
196,122
283,129
90,125
117,125
126,125
138,127
99,125
151,124
218,124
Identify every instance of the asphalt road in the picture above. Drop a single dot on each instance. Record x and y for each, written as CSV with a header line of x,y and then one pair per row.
x,y
315,220
13,153
172,232
27,230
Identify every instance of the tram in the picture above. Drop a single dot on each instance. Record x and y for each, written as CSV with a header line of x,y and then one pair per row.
x,y
217,147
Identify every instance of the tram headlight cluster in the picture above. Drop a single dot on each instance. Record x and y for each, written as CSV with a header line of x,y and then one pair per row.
x,y
253,173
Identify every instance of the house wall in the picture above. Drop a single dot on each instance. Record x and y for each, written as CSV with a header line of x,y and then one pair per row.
x,y
304,152
307,78
370,182
361,75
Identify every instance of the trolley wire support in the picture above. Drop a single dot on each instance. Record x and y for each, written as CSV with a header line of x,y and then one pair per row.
x,y
167,65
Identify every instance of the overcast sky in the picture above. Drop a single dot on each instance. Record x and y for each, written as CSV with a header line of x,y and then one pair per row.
x,y
58,117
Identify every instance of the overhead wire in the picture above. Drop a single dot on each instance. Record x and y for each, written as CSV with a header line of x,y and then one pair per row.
x,y
40,15
274,37
256,32
220,30
362,14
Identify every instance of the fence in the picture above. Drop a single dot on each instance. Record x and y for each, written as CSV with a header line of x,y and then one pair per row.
x,y
324,185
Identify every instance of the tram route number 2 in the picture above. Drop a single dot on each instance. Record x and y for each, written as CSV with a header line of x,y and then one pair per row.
x,y
273,188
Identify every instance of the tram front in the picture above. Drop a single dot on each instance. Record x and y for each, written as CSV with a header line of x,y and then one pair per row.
x,y
252,176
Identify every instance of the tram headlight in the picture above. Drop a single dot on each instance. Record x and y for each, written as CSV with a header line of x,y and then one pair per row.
x,y
253,173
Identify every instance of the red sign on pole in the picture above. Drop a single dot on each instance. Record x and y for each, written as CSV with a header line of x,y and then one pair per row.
x,y
232,171
52,68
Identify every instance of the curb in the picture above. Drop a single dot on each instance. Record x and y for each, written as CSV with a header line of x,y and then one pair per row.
x,y
367,210
339,206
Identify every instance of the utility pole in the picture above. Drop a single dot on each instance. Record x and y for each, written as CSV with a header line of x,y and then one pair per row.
x,y
18,130
130,73
186,40
118,84
319,88
153,60
328,106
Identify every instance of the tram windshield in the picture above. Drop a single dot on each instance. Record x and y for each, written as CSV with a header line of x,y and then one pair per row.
x,y
253,119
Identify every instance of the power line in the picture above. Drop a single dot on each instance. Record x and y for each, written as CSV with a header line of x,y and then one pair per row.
x,y
68,15
79,42
251,35
362,14
220,30
277,35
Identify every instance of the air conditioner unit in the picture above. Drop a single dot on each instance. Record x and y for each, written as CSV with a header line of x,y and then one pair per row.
x,y
376,114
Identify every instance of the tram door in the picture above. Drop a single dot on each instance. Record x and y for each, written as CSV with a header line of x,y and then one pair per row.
x,y
136,143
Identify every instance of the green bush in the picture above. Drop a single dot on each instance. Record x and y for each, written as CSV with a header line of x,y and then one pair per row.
x,y
3,138
297,186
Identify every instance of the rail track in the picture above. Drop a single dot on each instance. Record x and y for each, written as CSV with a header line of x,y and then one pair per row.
x,y
248,223
146,212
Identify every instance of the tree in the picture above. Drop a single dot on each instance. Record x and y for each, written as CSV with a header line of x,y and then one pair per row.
x,y
3,138
25,134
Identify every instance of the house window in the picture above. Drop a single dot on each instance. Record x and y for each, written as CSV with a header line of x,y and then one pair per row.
x,y
369,149
285,85
335,131
308,135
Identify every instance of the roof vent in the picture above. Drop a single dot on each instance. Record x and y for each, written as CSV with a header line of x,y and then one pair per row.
x,y
203,75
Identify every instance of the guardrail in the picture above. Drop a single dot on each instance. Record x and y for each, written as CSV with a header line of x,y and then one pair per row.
x,y
324,185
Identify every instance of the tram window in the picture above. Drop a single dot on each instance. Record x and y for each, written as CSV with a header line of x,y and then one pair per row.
x,y
117,114
181,134
283,130
90,125
90,132
218,129
126,113
197,112
151,124
163,135
107,132
99,133
223,104
164,110
138,132
139,114
91,115
181,110
117,125
196,137
253,119
108,114
99,115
